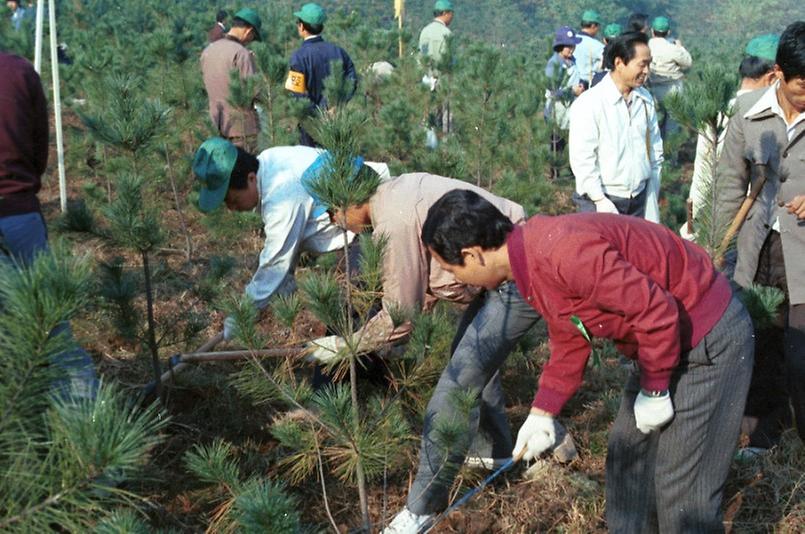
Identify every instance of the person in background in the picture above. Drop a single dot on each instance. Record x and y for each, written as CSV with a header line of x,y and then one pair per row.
x,y
433,37
766,139
18,13
638,22
433,41
590,51
669,61
23,233
616,151
312,63
218,60
611,31
218,31
564,85
757,72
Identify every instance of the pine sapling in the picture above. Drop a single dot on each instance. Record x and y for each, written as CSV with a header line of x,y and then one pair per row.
x,y
136,227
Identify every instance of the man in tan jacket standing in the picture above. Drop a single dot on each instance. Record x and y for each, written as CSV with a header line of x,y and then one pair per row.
x,y
766,141
669,61
218,60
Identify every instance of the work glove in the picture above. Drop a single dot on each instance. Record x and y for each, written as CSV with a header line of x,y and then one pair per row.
x,y
537,435
605,205
325,349
651,413
230,326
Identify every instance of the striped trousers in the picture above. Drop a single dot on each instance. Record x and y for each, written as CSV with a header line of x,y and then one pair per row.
x,y
672,481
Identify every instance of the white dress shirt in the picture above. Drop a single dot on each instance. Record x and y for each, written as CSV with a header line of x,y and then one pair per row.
x,y
616,149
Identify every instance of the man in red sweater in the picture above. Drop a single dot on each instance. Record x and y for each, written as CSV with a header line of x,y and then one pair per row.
x,y
660,298
23,159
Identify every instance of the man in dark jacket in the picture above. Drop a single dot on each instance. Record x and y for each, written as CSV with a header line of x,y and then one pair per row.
x,y
312,63
23,159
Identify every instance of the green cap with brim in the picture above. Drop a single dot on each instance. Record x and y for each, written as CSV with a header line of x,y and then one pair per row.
x,y
763,46
443,5
213,166
250,17
612,30
591,15
661,24
312,14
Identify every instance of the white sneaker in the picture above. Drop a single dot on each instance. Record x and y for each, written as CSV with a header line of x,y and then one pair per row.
x,y
407,522
490,464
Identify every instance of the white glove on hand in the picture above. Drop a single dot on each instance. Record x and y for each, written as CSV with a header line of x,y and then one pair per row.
x,y
651,413
537,434
229,328
605,206
325,349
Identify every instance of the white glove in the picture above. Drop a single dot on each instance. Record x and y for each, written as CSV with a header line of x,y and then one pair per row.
x,y
537,434
230,326
605,205
651,413
325,349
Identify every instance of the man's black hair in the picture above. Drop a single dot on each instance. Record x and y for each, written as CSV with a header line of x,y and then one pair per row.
x,y
623,46
312,29
658,33
558,48
791,51
440,13
753,67
245,164
588,24
240,23
221,16
637,22
461,219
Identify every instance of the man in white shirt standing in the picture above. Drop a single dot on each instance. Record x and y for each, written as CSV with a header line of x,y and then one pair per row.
x,y
669,61
293,221
615,147
589,52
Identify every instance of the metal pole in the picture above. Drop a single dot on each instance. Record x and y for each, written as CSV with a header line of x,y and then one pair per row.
x,y
40,20
54,64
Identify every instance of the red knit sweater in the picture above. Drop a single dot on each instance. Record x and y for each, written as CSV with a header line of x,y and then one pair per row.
x,y
627,279
23,135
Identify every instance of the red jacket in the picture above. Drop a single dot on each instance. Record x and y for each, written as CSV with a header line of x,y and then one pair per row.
x,y
627,279
23,135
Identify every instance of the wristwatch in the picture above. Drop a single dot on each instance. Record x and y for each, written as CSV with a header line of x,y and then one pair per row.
x,y
654,393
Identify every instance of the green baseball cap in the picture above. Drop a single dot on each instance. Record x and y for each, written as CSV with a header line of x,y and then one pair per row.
x,y
312,14
443,5
612,30
212,165
763,46
591,15
250,17
661,24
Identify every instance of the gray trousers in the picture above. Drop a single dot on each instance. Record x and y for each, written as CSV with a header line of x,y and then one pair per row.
x,y
488,331
673,480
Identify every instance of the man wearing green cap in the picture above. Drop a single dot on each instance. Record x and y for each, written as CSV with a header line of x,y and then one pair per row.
x,y
217,61
669,61
589,52
312,63
757,72
293,221
433,37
